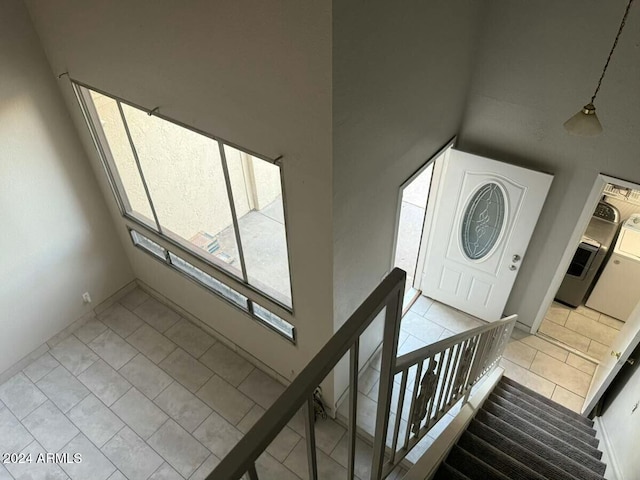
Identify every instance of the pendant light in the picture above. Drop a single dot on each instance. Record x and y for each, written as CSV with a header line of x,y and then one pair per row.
x,y
585,123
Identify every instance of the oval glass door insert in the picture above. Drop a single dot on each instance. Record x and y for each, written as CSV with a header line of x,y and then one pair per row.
x,y
483,221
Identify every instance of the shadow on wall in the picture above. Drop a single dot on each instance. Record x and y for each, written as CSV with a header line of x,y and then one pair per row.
x,y
57,239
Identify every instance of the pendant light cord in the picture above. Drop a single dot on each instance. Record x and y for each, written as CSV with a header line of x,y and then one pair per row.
x,y
615,43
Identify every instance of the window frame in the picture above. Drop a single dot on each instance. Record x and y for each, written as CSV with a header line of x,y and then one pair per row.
x,y
250,303
82,93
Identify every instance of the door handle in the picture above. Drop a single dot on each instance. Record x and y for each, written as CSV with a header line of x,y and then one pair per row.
x,y
512,267
516,258
630,361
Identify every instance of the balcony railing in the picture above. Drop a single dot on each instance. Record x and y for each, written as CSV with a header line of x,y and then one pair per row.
x,y
451,367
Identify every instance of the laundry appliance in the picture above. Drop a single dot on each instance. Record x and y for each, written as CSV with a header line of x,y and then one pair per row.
x,y
617,291
590,255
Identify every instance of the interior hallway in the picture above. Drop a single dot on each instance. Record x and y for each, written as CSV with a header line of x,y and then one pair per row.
x,y
550,370
582,328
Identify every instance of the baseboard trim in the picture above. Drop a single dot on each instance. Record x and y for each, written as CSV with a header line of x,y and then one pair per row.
x,y
608,455
64,333
214,333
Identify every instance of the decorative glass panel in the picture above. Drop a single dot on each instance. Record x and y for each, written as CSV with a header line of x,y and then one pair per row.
x,y
483,221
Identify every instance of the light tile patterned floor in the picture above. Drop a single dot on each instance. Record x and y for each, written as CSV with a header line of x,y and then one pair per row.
x,y
549,369
142,394
581,328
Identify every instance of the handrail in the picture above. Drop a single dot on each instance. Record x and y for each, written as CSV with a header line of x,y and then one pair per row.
x,y
444,374
409,359
243,456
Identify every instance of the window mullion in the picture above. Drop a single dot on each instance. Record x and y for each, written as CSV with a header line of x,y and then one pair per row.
x,y
232,205
135,156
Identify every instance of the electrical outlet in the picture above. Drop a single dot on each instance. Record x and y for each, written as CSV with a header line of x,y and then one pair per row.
x,y
86,298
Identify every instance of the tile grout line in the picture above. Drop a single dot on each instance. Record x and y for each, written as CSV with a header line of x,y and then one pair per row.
x,y
125,424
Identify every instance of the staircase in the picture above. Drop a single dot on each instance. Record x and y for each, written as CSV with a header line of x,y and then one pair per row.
x,y
519,434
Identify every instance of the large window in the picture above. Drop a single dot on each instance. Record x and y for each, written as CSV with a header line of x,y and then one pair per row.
x,y
212,199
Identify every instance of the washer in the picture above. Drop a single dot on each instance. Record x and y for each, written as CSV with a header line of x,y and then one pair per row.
x,y
617,291
589,256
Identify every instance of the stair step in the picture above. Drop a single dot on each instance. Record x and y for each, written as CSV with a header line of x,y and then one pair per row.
x,y
473,467
550,414
547,401
544,460
447,472
565,432
535,429
500,461
531,437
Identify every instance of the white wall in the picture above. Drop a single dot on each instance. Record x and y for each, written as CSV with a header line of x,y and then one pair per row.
x,y
536,66
621,422
255,73
57,238
400,77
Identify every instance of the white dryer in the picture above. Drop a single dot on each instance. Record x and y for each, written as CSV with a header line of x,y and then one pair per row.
x,y
617,291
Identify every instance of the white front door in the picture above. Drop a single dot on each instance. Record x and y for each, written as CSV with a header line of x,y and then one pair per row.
x,y
624,344
485,212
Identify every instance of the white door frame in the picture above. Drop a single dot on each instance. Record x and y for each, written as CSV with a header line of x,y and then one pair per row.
x,y
581,226
423,167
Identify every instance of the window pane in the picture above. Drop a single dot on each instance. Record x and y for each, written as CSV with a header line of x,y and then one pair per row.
x,y
208,281
148,245
272,319
257,195
123,167
483,221
184,175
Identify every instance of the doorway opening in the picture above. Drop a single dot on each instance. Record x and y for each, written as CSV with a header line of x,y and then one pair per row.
x,y
412,225
600,288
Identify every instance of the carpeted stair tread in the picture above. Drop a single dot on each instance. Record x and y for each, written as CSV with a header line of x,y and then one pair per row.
x,y
447,472
537,440
472,467
536,455
579,430
564,431
525,401
547,401
570,417
550,415
525,425
505,464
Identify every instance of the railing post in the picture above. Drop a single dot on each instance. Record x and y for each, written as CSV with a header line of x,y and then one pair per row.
x,y
354,353
310,433
478,360
253,474
393,316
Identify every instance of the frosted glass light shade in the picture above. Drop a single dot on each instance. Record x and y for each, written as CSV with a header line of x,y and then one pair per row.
x,y
585,123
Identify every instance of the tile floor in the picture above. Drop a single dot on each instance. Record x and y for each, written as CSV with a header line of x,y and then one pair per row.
x,y
426,322
581,328
551,370
143,394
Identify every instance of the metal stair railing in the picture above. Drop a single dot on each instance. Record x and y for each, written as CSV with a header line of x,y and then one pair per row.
x,y
386,297
441,375
462,371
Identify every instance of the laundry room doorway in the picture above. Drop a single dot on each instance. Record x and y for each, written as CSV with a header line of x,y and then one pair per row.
x,y
593,306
